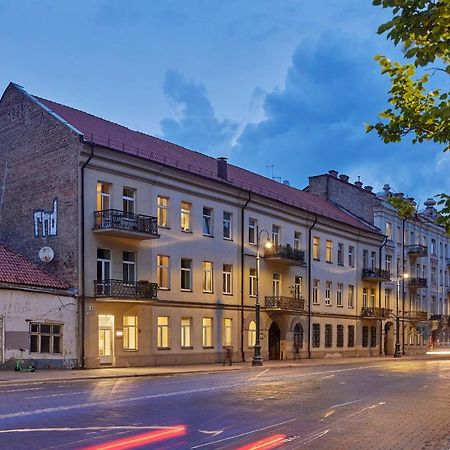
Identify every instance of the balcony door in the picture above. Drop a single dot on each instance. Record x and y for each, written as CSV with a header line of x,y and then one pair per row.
x,y
106,339
103,271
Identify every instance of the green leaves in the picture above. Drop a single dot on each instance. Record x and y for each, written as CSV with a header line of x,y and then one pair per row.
x,y
405,208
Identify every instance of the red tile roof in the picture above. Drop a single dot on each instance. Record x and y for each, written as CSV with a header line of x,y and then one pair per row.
x,y
16,269
117,137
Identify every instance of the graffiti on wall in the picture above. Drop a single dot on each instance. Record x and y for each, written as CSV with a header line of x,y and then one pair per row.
x,y
46,222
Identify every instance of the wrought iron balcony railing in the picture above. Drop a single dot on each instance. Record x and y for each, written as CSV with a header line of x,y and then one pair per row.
x,y
376,275
285,303
374,312
420,316
126,223
417,250
285,254
417,282
125,289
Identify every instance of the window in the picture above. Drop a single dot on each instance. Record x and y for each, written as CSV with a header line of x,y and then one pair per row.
x,y
328,293
45,338
163,331
227,332
298,287
340,254
129,197
364,298
329,252
207,221
340,336
373,260
365,259
351,256
298,336
186,332
351,336
227,279
252,231
373,336
252,283
328,335
389,230
129,267
365,336
207,332
316,248
103,196
185,212
227,225
276,281
388,263
252,333
276,235
207,278
399,235
186,274
163,211
387,298
372,297
340,288
297,240
316,335
162,269
351,291
130,332
315,292
103,264
433,246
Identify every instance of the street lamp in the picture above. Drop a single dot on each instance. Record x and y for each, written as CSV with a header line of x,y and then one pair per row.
x,y
398,353
257,358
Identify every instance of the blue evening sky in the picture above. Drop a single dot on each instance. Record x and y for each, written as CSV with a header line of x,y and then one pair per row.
x,y
282,83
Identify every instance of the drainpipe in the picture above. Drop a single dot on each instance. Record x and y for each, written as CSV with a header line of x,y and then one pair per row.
x,y
379,295
83,297
310,284
403,285
242,274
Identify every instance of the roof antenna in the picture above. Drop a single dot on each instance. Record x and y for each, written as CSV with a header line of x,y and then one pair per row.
x,y
271,166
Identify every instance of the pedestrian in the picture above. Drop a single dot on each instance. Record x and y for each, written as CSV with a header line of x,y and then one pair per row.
x,y
296,350
228,356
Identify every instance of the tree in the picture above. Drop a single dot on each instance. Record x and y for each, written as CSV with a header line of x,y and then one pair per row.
x,y
416,107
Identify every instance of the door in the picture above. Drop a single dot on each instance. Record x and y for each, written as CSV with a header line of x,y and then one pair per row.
x,y
2,350
106,339
274,341
389,344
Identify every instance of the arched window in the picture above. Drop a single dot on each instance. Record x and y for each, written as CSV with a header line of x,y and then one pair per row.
x,y
252,333
298,336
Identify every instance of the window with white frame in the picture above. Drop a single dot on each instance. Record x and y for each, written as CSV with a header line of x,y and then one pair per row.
x,y
227,328
388,263
207,276
350,298
186,274
186,331
351,256
103,196
340,288
185,216
252,334
130,332
329,251
227,225
328,293
365,259
162,271
207,332
163,331
387,298
163,211
227,279
129,267
365,298
45,337
297,240
276,281
373,260
276,229
298,286
315,292
372,297
207,221
316,248
252,224
103,264
340,254
129,200
252,283
389,230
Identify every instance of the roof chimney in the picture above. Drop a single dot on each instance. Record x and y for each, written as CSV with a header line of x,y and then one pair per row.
x,y
222,168
386,189
358,184
344,178
368,188
333,173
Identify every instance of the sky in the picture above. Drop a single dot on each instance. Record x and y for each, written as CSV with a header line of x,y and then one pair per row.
x,y
282,88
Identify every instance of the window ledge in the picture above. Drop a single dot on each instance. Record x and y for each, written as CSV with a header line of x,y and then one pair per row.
x,y
163,348
186,290
229,294
208,235
187,348
208,348
165,227
187,231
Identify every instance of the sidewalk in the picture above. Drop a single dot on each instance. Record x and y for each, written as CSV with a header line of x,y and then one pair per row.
x,y
42,376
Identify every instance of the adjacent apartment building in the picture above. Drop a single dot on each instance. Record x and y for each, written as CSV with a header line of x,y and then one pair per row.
x,y
159,242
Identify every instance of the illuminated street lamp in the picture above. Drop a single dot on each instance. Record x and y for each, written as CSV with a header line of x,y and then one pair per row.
x,y
398,352
257,358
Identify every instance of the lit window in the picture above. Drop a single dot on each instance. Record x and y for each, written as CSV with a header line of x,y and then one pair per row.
x,y
186,332
130,333
207,279
276,235
252,333
276,280
227,279
103,196
316,250
163,331
298,287
329,252
328,293
185,211
162,263
389,230
315,292
207,331
364,298
227,326
252,283
340,288
351,290
163,211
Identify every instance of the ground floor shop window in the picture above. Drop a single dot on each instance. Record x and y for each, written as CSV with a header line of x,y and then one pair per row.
x,y
365,336
45,338
130,333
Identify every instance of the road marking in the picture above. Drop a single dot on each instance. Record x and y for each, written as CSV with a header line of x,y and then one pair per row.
x,y
259,374
328,376
343,382
212,432
345,404
314,436
327,414
21,390
91,429
243,434
55,395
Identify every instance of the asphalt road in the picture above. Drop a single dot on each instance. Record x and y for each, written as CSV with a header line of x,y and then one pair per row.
x,y
389,404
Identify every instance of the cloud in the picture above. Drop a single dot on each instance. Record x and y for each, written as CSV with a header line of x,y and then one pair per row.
x,y
195,124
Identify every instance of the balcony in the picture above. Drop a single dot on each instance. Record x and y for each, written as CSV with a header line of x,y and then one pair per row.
x,y
376,275
291,304
125,289
447,262
417,283
113,222
371,312
285,254
417,251
417,316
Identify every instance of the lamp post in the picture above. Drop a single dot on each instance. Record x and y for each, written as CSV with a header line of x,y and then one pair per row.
x,y
257,358
398,352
